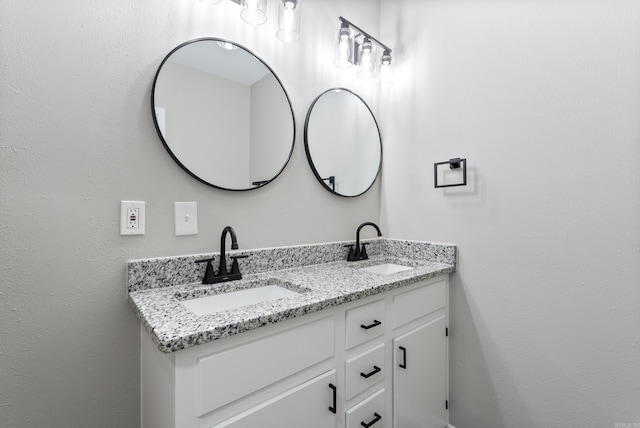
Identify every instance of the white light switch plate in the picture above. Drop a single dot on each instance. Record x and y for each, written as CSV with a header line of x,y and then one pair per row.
x,y
186,217
132,217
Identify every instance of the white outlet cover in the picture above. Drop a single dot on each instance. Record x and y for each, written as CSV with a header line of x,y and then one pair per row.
x,y
124,220
186,217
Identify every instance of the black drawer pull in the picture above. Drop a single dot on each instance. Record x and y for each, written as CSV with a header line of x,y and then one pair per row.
x,y
367,327
332,409
403,364
375,370
376,419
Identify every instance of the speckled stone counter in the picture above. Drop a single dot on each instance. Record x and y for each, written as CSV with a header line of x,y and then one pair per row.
x,y
318,272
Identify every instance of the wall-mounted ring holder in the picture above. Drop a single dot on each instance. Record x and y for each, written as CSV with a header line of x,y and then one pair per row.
x,y
454,163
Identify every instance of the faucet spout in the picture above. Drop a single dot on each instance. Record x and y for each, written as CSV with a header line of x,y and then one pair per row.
x,y
361,253
223,243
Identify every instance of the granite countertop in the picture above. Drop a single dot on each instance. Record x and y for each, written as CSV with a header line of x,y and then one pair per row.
x,y
173,327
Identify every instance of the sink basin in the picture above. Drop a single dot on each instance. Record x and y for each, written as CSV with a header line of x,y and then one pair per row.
x,y
386,268
235,299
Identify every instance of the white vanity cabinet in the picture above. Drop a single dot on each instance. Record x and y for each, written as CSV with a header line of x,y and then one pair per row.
x,y
334,368
258,374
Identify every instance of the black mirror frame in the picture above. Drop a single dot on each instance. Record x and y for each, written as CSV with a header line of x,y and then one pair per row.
x,y
308,152
166,146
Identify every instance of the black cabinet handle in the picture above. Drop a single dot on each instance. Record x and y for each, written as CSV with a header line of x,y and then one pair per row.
x,y
403,365
367,327
332,409
376,419
375,370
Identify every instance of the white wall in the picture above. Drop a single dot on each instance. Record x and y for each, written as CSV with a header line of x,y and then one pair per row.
x,y
543,99
76,137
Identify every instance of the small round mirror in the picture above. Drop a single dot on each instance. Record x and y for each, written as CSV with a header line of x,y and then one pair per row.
x,y
222,114
342,141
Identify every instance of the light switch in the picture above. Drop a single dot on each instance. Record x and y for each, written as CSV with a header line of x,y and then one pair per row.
x,y
186,217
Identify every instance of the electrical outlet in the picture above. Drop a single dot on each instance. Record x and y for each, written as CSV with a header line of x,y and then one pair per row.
x,y
132,217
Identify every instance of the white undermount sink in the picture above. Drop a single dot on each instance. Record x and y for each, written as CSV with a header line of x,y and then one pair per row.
x,y
386,268
234,299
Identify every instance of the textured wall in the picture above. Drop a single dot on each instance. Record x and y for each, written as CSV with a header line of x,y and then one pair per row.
x,y
77,137
543,98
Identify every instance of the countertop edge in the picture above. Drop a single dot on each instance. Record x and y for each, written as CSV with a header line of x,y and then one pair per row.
x,y
177,343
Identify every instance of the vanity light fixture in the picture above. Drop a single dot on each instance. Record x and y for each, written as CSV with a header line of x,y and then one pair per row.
x,y
355,46
254,12
367,63
344,47
288,20
386,69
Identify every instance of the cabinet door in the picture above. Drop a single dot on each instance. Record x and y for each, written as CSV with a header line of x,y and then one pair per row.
x,y
420,377
310,405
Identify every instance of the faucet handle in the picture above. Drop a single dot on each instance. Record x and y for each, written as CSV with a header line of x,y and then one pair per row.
x,y
209,274
363,251
235,268
352,253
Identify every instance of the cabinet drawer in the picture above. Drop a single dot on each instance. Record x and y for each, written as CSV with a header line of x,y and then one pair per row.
x,y
232,374
370,412
411,305
363,371
364,323
307,405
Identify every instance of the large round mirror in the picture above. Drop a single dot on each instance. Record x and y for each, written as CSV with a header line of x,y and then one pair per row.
x,y
342,141
222,114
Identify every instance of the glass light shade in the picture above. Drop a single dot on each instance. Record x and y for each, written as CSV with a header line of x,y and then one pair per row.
x,y
254,12
386,70
344,57
288,20
367,63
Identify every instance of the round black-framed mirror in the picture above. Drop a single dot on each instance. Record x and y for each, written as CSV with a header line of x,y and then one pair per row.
x,y
343,143
223,114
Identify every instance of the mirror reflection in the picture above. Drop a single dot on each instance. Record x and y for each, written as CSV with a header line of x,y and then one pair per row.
x,y
342,141
222,114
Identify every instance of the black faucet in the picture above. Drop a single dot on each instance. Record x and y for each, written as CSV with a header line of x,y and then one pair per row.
x,y
222,270
223,275
360,253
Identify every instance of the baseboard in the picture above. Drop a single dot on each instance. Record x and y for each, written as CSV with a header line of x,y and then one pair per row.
x,y
450,426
